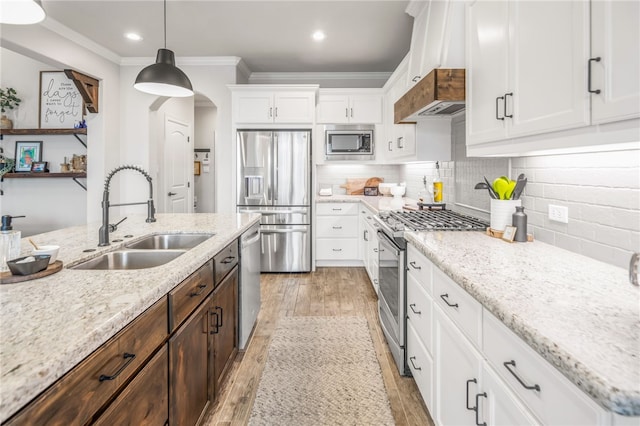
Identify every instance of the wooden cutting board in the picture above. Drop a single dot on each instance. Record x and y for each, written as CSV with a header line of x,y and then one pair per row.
x,y
355,186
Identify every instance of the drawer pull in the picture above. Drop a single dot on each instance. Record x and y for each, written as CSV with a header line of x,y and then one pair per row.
x,y
413,265
228,259
376,250
337,249
444,297
470,381
477,410
129,357
198,292
337,227
337,210
414,311
413,364
512,362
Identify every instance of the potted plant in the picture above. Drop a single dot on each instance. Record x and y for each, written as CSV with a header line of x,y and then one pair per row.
x,y
8,100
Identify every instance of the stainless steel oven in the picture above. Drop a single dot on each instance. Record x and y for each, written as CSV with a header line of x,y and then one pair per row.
x,y
392,302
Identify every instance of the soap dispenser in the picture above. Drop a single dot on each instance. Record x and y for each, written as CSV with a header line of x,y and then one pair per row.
x,y
9,242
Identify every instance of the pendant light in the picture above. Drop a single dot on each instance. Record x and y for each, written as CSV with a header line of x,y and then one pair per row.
x,y
22,12
163,78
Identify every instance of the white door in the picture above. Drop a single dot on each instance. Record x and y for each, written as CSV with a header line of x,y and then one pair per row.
x,y
177,170
458,364
549,44
487,46
614,38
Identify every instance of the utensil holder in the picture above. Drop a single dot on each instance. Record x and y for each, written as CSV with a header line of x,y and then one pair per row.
x,y
501,211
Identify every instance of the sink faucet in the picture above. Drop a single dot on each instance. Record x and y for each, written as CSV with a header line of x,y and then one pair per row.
x,y
103,233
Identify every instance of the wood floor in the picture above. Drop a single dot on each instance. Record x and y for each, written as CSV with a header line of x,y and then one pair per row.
x,y
326,292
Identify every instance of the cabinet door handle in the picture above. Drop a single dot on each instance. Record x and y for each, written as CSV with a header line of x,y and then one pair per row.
x,y
414,311
512,362
413,364
498,101
505,105
221,316
198,290
470,381
346,113
214,324
389,148
375,249
400,142
128,357
270,112
170,194
591,60
351,112
477,410
445,298
365,235
276,112
413,265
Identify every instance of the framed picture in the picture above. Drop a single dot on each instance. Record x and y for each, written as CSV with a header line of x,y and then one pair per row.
x,y
509,233
26,154
196,168
39,166
61,105
370,190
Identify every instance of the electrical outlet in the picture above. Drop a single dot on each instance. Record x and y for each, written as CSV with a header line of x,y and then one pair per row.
x,y
558,213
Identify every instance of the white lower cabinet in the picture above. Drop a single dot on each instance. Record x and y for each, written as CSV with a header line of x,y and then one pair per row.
x,y
337,242
369,244
471,369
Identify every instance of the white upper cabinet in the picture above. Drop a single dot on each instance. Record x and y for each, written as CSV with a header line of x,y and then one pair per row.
x,y
359,107
525,68
273,104
615,32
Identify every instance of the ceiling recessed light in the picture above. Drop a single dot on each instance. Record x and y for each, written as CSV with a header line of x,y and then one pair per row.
x,y
133,36
318,35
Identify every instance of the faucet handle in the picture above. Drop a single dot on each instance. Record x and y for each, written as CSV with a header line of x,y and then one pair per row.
x,y
114,227
633,268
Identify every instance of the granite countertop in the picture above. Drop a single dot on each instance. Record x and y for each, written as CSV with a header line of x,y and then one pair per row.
x,y
51,324
581,315
376,203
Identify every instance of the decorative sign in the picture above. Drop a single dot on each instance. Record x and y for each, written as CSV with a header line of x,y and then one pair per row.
x,y
60,101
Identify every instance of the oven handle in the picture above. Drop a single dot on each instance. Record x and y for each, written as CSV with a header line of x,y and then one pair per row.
x,y
396,250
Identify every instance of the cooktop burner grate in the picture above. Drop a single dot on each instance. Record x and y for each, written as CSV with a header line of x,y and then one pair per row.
x,y
434,220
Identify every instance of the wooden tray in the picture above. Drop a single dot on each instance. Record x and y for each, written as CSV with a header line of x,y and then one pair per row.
x,y
9,278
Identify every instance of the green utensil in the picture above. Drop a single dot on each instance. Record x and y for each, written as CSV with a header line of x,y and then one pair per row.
x,y
500,187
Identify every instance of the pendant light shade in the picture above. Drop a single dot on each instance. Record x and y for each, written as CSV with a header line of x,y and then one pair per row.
x,y
21,12
163,78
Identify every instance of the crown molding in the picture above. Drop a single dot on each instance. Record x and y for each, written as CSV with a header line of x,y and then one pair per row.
x,y
75,37
315,76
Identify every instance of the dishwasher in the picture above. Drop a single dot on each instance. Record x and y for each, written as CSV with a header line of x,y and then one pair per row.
x,y
249,291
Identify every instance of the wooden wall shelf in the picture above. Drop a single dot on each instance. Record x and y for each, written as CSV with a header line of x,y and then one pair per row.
x,y
21,132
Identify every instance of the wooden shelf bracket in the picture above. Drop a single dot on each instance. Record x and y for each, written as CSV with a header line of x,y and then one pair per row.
x,y
88,88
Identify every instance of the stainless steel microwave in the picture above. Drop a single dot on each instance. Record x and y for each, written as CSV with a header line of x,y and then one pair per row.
x,y
349,142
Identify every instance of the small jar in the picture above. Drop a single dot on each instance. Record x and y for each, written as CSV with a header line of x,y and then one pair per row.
x,y
519,220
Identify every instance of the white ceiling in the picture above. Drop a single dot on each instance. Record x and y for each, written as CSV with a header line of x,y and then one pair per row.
x,y
270,36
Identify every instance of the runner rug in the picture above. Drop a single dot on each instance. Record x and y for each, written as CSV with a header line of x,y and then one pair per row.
x,y
321,371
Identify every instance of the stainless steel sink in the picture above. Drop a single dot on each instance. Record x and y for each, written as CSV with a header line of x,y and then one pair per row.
x,y
169,241
130,259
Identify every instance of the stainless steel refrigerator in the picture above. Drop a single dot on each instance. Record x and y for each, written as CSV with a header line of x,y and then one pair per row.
x,y
274,180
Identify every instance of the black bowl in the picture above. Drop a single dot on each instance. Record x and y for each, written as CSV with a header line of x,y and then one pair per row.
x,y
39,264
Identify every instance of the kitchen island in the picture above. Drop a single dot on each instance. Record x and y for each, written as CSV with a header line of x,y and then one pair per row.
x,y
582,316
51,324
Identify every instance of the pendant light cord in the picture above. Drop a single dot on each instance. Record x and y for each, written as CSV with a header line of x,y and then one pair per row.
x,y
165,24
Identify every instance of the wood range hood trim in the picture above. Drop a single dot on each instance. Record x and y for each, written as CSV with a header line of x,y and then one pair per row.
x,y
440,85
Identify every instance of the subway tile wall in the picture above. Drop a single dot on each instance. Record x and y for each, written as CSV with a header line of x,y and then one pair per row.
x,y
334,175
602,193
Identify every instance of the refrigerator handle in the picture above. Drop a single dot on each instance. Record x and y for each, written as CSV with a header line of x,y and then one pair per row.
x,y
275,168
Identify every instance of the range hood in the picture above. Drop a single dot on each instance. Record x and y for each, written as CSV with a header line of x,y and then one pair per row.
x,y
440,93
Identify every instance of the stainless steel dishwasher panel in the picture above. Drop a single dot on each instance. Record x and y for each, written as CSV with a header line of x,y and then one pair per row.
x,y
249,291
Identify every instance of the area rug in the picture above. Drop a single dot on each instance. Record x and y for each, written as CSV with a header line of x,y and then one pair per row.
x,y
321,371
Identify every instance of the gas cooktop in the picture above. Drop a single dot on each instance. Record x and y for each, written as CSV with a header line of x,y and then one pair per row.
x,y
431,220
